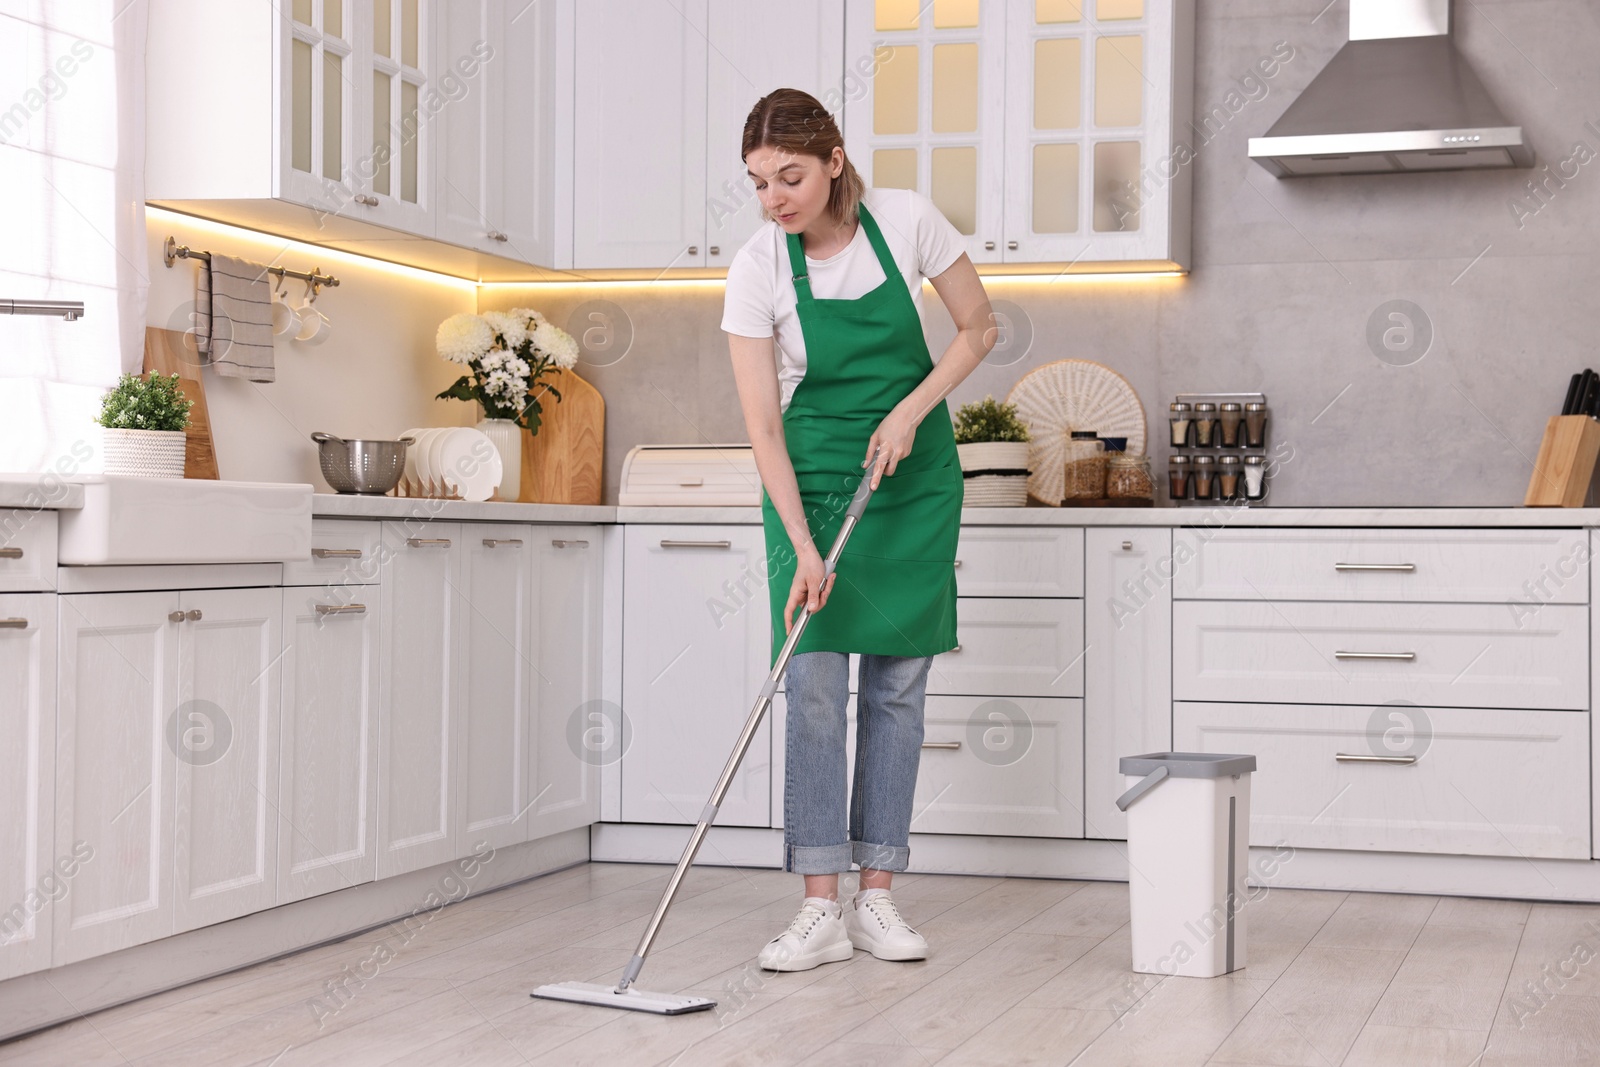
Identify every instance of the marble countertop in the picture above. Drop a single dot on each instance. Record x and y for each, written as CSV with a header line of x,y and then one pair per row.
x,y
348,506
39,491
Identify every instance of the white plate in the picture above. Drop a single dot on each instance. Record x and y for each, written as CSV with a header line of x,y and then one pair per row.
x,y
470,463
434,464
410,478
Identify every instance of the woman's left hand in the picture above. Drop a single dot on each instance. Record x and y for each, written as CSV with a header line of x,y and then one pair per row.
x,y
893,438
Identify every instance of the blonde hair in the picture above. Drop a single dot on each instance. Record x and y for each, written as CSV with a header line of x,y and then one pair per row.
x,y
795,122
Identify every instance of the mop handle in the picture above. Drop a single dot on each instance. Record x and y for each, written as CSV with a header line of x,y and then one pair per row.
x,y
858,504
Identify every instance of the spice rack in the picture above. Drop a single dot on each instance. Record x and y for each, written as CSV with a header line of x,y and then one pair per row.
x,y
1202,450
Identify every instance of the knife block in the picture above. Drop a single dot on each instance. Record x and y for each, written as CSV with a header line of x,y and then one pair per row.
x,y
1565,467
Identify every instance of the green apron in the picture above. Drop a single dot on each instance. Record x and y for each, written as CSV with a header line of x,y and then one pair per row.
x,y
894,593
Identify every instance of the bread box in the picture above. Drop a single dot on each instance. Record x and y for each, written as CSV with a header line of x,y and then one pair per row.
x,y
690,475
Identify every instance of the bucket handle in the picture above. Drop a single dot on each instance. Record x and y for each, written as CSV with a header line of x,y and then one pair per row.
x,y
1141,787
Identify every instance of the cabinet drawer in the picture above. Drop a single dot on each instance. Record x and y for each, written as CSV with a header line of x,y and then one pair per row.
x,y
1032,561
1455,655
1013,647
27,551
342,553
1487,566
1485,782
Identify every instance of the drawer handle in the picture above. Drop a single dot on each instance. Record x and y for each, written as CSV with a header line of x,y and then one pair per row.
x,y
175,616
568,544
696,544
948,746
428,542
953,651
341,609
13,624
193,615
10,553
1357,757
688,483
958,563
1127,546
335,553
1407,567
1375,655
490,542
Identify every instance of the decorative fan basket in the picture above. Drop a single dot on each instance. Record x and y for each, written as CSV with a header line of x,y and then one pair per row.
x,y
1067,395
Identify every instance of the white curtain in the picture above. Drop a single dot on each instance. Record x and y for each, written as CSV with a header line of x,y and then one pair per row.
x,y
72,179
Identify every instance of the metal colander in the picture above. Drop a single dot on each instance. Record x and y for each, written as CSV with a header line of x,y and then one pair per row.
x,y
370,468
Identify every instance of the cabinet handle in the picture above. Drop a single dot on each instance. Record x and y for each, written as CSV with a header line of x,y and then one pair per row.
x,y
1407,567
341,609
13,624
496,235
694,250
696,544
1357,757
1375,655
490,542
10,553
335,553
363,198
715,250
193,615
988,246
1011,245
958,563
175,616
1127,546
428,542
948,746
557,542
953,651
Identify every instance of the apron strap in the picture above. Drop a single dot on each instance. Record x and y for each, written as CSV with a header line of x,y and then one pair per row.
x,y
797,258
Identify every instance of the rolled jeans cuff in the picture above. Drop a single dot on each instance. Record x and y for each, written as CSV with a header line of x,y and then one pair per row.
x,y
880,857
816,859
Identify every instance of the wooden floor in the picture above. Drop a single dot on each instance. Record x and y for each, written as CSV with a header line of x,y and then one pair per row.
x,y
1021,971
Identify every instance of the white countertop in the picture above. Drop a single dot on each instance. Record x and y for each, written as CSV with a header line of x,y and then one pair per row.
x,y
38,491
386,507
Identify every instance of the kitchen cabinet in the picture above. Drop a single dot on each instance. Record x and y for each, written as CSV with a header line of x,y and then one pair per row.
x,y
1045,132
564,773
1127,706
28,542
327,786
696,650
32,867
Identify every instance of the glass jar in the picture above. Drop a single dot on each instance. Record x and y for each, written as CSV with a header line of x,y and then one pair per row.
x,y
1085,467
1180,418
1255,477
1204,468
1178,468
1128,478
1255,425
1205,424
1231,414
1228,476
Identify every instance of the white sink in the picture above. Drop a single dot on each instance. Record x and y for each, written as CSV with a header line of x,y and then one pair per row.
x,y
128,520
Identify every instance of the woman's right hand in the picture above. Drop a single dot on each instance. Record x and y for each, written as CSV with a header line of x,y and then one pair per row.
x,y
808,587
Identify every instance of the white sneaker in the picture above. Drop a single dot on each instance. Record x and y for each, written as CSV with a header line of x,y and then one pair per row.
x,y
815,936
874,923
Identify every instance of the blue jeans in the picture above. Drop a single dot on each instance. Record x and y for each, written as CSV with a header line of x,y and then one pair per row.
x,y
816,836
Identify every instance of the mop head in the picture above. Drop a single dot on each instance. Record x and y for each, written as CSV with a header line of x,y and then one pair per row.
x,y
606,996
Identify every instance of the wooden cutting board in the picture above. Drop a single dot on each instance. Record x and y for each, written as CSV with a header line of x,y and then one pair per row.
x,y
166,354
563,464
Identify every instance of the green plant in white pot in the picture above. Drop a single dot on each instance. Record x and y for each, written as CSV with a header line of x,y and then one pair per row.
x,y
143,422
992,443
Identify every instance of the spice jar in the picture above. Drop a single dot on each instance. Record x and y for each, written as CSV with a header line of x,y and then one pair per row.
x,y
1085,467
1255,477
1228,476
1178,477
1204,466
1180,418
1128,478
1255,425
1205,424
1231,415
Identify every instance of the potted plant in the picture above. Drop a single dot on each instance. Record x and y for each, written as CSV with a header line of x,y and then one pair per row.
x,y
505,353
992,442
143,420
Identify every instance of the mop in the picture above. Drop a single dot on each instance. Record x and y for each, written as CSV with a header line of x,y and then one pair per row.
x,y
623,995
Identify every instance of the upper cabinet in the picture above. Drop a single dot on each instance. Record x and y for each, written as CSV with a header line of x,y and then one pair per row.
x,y
1045,130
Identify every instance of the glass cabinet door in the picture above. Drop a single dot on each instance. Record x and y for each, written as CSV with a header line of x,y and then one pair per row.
x,y
397,148
926,108
320,69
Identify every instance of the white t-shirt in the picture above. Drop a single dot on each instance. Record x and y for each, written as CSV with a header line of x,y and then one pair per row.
x,y
760,299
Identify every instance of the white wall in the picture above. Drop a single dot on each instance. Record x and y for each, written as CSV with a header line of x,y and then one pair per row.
x,y
375,376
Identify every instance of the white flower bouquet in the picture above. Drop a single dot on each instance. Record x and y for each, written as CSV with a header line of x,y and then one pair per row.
x,y
505,353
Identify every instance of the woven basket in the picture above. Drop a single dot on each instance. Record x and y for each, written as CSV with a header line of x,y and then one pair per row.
x,y
994,490
144,453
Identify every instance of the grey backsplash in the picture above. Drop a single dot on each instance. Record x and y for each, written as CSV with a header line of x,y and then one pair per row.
x,y
1286,275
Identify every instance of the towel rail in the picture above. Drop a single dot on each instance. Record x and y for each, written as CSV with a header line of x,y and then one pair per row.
x,y
172,251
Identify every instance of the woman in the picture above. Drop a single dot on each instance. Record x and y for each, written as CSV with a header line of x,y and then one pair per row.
x,y
835,279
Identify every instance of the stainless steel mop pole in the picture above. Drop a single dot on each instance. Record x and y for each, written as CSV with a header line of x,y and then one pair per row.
x,y
858,504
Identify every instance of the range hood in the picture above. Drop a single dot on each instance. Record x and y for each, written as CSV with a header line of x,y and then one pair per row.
x,y
1397,97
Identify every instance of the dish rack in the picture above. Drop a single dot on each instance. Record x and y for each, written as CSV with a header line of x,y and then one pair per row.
x,y
690,476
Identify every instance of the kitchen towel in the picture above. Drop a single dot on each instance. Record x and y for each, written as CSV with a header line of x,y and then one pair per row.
x,y
233,318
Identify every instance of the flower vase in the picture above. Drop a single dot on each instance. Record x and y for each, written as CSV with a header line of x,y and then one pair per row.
x,y
507,438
